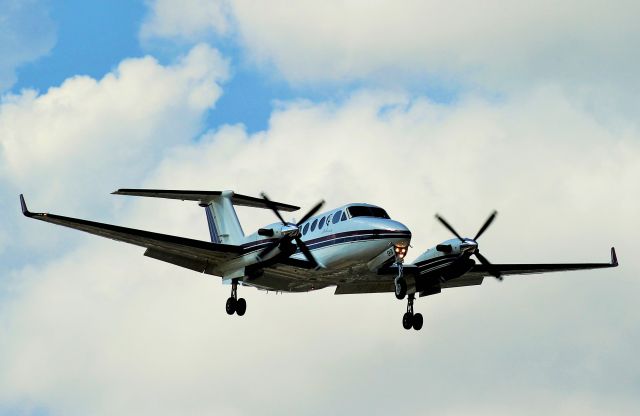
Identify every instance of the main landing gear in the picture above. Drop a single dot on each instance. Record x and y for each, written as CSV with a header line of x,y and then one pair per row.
x,y
235,305
409,319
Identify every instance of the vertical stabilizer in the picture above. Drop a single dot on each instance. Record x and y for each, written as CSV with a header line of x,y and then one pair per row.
x,y
224,226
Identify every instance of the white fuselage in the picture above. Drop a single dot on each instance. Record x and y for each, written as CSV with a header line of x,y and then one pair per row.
x,y
337,239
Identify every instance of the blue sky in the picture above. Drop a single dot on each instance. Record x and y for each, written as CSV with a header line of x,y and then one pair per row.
x,y
448,107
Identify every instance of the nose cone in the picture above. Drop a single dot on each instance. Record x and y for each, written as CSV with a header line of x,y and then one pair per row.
x,y
383,224
469,246
391,225
388,228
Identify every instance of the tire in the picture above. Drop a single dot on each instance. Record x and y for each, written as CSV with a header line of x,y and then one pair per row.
x,y
417,321
231,306
407,320
402,287
241,306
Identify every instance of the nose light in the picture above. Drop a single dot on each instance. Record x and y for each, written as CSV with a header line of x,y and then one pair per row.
x,y
400,251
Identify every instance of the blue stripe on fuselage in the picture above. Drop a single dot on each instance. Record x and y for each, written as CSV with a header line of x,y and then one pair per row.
x,y
334,239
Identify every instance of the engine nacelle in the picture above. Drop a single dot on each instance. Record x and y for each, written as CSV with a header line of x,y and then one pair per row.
x,y
457,251
279,231
458,268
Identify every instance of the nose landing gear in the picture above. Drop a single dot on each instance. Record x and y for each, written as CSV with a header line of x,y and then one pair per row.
x,y
235,305
409,319
400,282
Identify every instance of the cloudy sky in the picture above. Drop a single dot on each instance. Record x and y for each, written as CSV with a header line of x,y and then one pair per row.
x,y
456,107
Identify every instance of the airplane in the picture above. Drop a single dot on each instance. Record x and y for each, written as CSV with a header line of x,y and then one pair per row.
x,y
356,247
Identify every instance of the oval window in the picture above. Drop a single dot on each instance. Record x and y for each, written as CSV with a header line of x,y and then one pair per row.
x,y
336,217
305,229
313,224
321,223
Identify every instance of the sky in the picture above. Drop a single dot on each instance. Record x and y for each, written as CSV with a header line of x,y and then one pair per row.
x,y
424,107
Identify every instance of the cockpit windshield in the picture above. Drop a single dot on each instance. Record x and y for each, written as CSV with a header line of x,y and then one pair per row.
x,y
365,211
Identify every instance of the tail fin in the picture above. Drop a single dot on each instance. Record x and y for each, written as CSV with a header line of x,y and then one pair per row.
x,y
224,226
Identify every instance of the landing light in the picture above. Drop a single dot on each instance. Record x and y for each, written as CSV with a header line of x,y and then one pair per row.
x,y
400,251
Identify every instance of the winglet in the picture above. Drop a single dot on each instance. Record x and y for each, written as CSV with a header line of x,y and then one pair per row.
x,y
25,210
614,258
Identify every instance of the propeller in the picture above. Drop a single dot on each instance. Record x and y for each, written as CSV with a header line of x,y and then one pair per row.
x,y
492,270
287,239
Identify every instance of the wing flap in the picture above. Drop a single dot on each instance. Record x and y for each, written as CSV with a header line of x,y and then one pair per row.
x,y
368,287
178,260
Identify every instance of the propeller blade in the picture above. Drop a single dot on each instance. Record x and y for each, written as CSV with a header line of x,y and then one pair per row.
x,y
449,227
495,273
273,208
311,212
307,253
268,249
486,224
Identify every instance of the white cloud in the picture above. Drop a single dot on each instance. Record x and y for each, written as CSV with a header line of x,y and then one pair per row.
x,y
69,147
586,46
188,20
26,33
97,133
103,330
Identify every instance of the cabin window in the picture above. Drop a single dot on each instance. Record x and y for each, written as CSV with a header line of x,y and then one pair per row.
x,y
365,211
305,229
321,223
336,217
344,216
313,224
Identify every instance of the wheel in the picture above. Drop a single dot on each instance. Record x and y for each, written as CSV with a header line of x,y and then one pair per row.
x,y
231,306
417,321
241,306
407,320
401,289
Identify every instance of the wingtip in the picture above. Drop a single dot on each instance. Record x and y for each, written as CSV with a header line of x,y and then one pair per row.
x,y
23,205
614,257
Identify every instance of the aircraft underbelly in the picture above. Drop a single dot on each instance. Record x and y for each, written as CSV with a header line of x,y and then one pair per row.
x,y
343,263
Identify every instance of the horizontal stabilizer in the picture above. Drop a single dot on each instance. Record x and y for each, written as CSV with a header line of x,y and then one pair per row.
x,y
205,197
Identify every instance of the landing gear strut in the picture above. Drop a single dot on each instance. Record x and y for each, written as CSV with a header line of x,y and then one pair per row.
x,y
400,282
409,319
235,305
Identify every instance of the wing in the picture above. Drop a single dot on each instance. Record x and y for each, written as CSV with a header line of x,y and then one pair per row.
x,y
185,252
429,274
513,269
476,275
